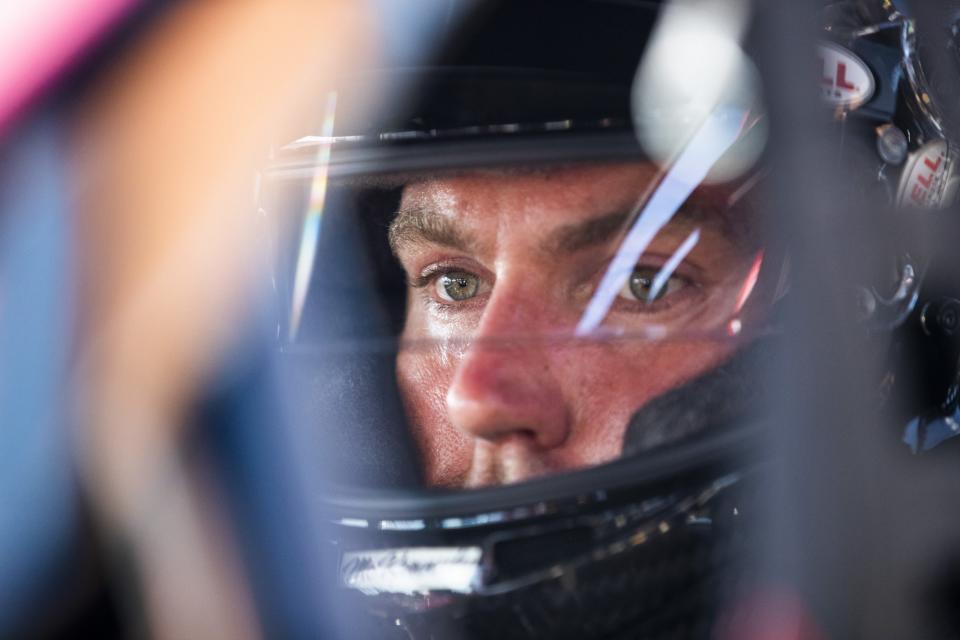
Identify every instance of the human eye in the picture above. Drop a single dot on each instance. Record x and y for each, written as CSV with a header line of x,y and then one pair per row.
x,y
450,284
642,287
456,286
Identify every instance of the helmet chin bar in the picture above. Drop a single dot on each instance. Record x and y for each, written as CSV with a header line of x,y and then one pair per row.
x,y
672,505
633,545
635,566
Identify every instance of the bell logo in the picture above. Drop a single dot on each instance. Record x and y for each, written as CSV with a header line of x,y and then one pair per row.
x,y
845,81
919,194
924,176
838,81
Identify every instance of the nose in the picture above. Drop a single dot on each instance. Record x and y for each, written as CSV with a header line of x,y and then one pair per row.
x,y
505,385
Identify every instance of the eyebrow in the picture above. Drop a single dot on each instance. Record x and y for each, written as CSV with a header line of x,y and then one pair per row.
x,y
421,224
574,237
418,223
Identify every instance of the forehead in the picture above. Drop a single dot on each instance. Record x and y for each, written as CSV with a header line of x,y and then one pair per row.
x,y
564,193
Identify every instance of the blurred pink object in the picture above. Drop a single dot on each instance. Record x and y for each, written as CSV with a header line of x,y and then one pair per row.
x,y
39,40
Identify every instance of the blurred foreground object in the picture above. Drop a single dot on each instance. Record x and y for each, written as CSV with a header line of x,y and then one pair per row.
x,y
167,149
52,35
45,560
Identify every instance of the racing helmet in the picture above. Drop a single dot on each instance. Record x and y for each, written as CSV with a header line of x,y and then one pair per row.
x,y
525,311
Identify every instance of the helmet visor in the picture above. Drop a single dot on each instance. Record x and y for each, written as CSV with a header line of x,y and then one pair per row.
x,y
528,309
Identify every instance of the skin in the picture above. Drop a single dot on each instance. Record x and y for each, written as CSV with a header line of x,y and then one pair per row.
x,y
496,387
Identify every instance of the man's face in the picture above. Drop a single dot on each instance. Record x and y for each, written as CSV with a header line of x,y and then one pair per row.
x,y
500,268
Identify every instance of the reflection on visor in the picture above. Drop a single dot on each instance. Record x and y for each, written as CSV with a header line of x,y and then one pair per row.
x,y
311,220
719,132
671,265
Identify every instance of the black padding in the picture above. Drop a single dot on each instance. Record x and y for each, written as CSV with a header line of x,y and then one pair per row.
x,y
340,374
726,396
350,404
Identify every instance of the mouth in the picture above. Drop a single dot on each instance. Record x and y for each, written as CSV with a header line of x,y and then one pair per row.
x,y
509,461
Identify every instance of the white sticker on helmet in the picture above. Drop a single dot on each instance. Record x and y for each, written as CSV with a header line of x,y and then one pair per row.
x,y
846,80
924,179
410,571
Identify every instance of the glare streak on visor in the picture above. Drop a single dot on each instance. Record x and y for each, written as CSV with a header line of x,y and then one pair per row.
x,y
719,132
309,236
671,265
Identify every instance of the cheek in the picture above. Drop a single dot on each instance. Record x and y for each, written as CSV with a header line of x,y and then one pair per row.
x,y
606,385
423,378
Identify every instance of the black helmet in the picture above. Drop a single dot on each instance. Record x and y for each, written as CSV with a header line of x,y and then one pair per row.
x,y
527,312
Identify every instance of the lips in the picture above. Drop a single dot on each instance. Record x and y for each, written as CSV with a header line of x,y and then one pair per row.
x,y
516,458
